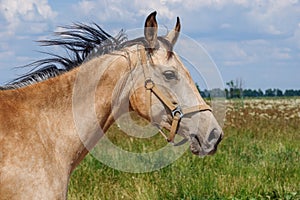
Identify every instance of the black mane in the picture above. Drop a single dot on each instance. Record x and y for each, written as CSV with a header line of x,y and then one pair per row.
x,y
81,42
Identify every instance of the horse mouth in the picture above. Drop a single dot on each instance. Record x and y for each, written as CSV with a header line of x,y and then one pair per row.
x,y
201,148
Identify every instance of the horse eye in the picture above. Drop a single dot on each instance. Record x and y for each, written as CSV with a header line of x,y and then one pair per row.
x,y
170,75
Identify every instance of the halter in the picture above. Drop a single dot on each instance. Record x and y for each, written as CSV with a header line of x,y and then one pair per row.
x,y
177,111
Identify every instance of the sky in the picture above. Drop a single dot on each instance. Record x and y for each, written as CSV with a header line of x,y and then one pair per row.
x,y
256,41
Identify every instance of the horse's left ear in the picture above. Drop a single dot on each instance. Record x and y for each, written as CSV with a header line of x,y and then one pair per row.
x,y
173,35
150,30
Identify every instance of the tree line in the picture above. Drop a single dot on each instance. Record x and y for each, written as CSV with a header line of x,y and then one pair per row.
x,y
229,94
259,93
236,91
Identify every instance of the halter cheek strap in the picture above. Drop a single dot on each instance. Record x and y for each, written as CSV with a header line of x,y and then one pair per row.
x,y
177,112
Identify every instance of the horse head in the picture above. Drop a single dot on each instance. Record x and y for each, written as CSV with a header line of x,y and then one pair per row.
x,y
167,96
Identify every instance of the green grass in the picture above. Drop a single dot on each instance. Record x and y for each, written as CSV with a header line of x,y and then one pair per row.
x,y
259,158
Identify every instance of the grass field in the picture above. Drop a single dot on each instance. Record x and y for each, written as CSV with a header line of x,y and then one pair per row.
x,y
259,158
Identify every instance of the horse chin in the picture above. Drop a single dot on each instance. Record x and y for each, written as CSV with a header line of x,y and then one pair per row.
x,y
197,150
200,152
197,146
165,124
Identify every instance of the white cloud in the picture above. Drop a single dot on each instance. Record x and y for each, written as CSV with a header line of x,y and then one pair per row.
x,y
249,53
295,39
86,6
232,54
17,12
237,33
6,54
254,19
225,25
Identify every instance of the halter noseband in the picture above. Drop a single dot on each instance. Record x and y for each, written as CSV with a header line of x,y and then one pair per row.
x,y
177,112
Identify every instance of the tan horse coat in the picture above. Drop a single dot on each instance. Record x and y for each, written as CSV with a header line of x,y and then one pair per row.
x,y
47,128
39,143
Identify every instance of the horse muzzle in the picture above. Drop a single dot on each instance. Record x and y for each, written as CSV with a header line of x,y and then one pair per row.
x,y
208,146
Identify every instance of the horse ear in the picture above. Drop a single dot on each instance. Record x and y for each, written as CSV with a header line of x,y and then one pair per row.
x,y
173,35
150,30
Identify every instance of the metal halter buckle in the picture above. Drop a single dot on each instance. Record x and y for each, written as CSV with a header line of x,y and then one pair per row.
x,y
177,110
149,84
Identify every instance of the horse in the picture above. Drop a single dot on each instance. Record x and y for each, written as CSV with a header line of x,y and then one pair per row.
x,y
51,117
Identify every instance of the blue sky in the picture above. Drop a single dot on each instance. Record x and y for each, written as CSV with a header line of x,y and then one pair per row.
x,y
256,41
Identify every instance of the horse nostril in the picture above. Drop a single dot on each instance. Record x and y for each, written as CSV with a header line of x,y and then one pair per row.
x,y
214,135
196,139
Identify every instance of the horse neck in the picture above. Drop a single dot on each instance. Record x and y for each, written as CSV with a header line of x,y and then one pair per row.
x,y
100,90
70,112
98,85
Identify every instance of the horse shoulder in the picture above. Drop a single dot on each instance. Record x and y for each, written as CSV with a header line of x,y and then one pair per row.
x,y
27,165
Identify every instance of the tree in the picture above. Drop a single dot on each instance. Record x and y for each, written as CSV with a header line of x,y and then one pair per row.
x,y
235,89
260,93
230,84
290,93
273,93
278,93
270,93
217,92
